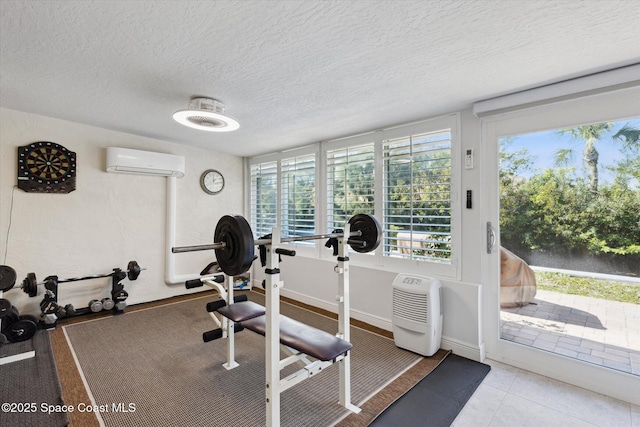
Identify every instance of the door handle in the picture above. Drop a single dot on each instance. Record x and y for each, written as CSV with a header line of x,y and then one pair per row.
x,y
491,237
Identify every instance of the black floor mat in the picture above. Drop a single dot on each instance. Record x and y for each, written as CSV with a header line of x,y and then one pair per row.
x,y
437,399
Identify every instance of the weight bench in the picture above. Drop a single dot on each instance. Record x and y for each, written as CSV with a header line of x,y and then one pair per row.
x,y
299,341
304,338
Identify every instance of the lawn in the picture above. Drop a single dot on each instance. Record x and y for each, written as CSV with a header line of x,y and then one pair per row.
x,y
588,287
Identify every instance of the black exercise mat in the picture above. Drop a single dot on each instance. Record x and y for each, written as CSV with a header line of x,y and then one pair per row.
x,y
29,386
438,398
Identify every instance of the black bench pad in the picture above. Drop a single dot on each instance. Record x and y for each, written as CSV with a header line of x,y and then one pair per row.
x,y
304,338
240,311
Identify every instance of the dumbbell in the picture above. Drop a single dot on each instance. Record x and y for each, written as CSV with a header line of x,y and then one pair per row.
x,y
49,306
107,304
95,305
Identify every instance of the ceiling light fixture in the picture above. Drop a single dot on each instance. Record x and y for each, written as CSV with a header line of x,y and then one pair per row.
x,y
206,114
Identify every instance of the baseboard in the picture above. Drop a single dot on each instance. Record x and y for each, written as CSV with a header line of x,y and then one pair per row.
x,y
333,307
463,349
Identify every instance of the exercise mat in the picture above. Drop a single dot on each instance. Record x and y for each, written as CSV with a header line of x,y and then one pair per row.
x,y
438,398
150,367
30,389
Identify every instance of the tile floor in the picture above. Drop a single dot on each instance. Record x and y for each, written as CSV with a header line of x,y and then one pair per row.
x,y
512,397
595,330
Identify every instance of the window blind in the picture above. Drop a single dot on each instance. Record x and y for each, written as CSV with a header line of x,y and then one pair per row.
x,y
298,199
264,197
417,196
350,183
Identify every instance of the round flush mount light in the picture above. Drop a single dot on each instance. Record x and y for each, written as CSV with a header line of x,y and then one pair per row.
x,y
206,114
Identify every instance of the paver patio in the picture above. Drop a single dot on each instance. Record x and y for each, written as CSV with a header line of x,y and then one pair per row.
x,y
595,330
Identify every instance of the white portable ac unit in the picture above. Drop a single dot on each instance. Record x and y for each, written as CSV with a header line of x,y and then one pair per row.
x,y
125,160
417,313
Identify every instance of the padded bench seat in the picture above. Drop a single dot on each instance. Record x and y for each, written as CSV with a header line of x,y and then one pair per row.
x,y
304,338
241,311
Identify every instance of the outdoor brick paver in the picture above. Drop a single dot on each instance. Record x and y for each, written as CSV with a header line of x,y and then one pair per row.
x,y
598,331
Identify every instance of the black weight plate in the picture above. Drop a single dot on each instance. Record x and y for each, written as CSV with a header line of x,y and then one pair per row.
x,y
11,317
7,277
133,270
237,255
21,330
5,306
370,230
34,319
30,285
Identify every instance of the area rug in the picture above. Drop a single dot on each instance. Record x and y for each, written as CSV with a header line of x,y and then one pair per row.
x,y
150,367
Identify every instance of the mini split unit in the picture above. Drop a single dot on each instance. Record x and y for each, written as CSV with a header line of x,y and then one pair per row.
x,y
125,160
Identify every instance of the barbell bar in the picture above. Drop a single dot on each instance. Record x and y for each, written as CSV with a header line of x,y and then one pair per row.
x,y
234,242
259,242
30,283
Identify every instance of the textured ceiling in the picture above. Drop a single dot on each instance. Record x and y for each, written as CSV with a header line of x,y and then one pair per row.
x,y
295,72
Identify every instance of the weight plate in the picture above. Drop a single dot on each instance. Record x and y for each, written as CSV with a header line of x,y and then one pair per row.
x,y
370,230
237,255
7,277
5,306
21,330
34,319
30,285
133,270
11,317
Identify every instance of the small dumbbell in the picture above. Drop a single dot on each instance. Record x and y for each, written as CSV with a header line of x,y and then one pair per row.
x,y
95,305
70,309
61,313
107,304
48,306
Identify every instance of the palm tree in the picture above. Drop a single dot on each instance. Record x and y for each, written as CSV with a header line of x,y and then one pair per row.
x,y
591,134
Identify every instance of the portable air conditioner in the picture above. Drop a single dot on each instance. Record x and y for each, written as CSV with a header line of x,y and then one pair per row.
x,y
417,313
125,160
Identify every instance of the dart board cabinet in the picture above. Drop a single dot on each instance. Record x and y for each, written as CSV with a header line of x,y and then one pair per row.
x,y
46,167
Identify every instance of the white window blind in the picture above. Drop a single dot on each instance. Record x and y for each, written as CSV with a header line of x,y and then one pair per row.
x,y
264,197
298,200
350,183
417,196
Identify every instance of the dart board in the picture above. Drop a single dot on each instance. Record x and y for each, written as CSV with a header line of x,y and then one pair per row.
x,y
46,167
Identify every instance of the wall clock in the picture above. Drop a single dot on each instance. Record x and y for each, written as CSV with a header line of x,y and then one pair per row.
x,y
211,181
46,167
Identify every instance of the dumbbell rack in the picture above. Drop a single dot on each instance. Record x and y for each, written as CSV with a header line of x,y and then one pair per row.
x,y
51,310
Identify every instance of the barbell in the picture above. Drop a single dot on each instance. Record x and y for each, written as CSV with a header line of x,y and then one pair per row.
x,y
30,283
234,242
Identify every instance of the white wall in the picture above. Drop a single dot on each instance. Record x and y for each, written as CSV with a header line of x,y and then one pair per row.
x,y
110,218
313,281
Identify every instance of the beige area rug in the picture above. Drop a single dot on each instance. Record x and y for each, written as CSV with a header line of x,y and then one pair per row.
x,y
150,368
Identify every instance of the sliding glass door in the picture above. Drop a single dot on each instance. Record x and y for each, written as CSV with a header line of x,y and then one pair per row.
x,y
560,282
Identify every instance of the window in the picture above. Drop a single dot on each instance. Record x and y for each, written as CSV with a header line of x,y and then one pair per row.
x,y
264,197
350,183
298,184
283,194
404,176
417,196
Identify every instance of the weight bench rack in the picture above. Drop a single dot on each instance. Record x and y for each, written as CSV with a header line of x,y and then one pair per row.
x,y
299,341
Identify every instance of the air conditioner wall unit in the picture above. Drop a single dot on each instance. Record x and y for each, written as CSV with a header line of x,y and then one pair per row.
x,y
125,160
417,313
